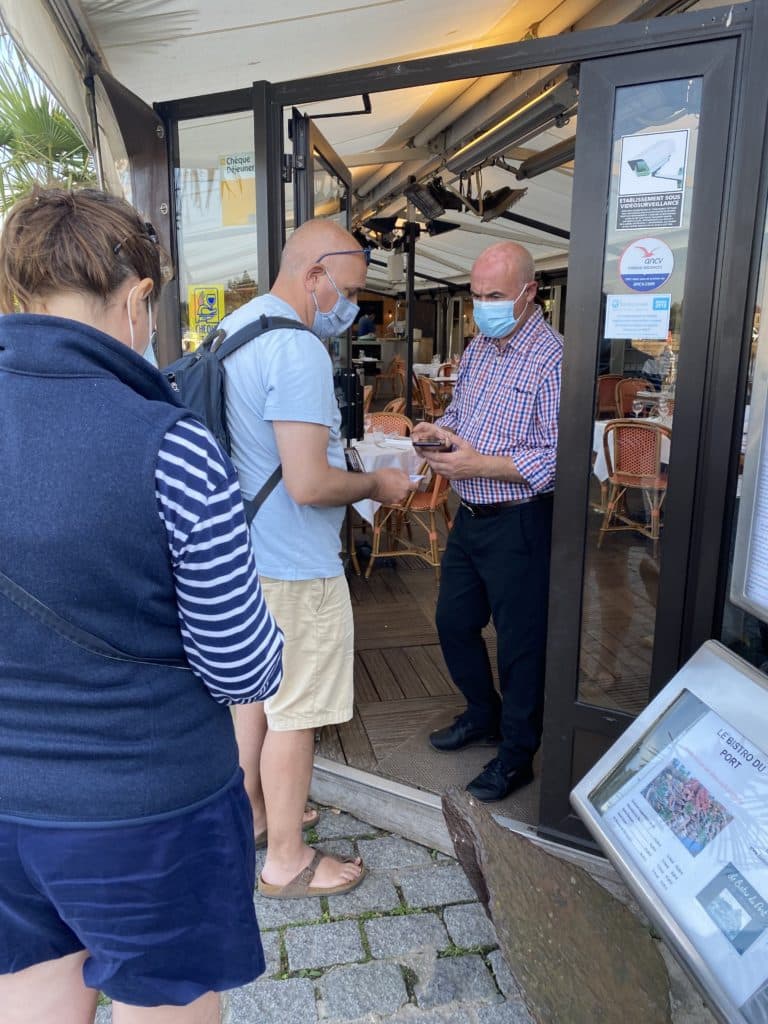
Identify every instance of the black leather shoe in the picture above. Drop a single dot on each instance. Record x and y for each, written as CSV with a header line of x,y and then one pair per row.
x,y
498,780
462,733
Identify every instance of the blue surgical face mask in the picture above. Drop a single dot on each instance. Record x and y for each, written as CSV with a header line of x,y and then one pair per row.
x,y
338,319
497,319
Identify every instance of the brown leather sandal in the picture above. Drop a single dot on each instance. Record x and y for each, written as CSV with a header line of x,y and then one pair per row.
x,y
306,825
300,887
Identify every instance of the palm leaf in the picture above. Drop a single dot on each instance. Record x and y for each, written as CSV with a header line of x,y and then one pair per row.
x,y
38,142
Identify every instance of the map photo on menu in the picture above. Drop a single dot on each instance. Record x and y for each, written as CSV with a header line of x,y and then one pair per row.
x,y
686,807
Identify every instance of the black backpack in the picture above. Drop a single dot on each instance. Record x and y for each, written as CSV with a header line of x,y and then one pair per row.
x,y
198,380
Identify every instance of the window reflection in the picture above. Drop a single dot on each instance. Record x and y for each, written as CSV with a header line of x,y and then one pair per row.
x,y
740,630
216,202
655,133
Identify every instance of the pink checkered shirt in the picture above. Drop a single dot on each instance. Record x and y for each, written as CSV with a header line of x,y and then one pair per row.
x,y
506,403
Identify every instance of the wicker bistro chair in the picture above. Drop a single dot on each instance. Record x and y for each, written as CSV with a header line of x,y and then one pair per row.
x,y
626,389
394,375
418,510
444,390
367,397
432,406
391,423
396,405
605,396
415,393
633,455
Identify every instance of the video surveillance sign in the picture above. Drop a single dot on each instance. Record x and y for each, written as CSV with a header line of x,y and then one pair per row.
x,y
680,805
652,180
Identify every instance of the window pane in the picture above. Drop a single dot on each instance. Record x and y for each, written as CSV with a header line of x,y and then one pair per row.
x,y
741,631
216,203
655,132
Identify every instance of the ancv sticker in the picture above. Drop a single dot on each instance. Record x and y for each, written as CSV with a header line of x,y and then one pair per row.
x,y
646,264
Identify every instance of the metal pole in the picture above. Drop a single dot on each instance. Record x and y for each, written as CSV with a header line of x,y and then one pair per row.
x,y
90,85
410,249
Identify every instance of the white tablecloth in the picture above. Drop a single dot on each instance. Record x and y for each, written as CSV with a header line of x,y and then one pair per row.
x,y
383,456
599,467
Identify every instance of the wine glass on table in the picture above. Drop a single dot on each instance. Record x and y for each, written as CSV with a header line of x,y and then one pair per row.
x,y
663,408
637,407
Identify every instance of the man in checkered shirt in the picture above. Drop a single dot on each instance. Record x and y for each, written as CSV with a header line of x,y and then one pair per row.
x,y
501,427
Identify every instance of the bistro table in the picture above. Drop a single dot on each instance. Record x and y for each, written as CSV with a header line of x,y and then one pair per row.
x,y
426,369
392,451
652,399
368,364
430,370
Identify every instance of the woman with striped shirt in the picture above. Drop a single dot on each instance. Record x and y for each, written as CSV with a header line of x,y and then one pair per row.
x,y
131,617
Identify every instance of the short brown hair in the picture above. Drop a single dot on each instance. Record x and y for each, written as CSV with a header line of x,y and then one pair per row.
x,y
79,240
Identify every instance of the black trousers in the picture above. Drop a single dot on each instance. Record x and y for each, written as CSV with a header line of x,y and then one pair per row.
x,y
498,566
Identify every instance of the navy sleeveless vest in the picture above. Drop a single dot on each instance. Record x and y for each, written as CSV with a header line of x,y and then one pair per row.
x,y
83,737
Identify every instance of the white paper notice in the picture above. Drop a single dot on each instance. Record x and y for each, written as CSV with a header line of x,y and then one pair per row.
x,y
637,316
695,819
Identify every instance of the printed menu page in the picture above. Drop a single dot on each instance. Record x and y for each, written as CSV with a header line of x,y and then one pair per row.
x,y
691,810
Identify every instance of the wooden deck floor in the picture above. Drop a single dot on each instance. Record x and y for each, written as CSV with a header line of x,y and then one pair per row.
x,y
402,685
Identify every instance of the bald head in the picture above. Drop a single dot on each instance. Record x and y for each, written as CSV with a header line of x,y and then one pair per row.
x,y
510,259
321,260
312,239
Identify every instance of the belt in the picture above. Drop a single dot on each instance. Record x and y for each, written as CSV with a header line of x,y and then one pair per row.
x,y
493,508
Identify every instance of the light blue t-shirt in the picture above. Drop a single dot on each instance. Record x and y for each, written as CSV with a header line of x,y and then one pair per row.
x,y
282,375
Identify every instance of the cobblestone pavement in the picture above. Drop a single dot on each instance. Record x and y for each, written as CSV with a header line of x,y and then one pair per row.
x,y
410,945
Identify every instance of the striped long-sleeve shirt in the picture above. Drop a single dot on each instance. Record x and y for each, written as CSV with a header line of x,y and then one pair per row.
x,y
230,638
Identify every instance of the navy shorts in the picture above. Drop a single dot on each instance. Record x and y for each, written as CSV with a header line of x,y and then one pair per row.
x,y
164,907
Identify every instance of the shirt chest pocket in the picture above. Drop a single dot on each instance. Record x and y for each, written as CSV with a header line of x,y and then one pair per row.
x,y
521,405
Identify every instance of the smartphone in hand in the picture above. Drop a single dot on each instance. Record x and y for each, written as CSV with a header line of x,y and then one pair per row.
x,y
433,444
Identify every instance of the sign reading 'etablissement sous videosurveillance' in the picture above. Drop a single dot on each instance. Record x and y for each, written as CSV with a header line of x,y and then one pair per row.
x,y
652,180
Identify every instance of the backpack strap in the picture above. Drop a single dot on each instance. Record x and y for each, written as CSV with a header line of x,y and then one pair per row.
x,y
224,346
229,344
69,631
252,507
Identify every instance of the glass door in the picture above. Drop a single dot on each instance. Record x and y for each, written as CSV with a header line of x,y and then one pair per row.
x,y
322,183
651,159
322,187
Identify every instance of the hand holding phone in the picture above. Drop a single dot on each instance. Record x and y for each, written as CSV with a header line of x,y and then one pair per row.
x,y
433,444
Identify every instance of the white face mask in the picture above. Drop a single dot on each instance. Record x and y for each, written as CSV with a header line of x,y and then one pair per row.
x,y
149,351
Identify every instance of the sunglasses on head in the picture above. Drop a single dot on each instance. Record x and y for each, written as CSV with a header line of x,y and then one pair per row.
x,y
365,253
149,232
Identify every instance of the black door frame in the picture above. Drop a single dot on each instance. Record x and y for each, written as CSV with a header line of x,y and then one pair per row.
x,y
308,140
735,265
567,718
268,100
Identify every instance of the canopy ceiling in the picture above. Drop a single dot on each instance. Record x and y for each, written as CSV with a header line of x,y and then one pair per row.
x,y
170,49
